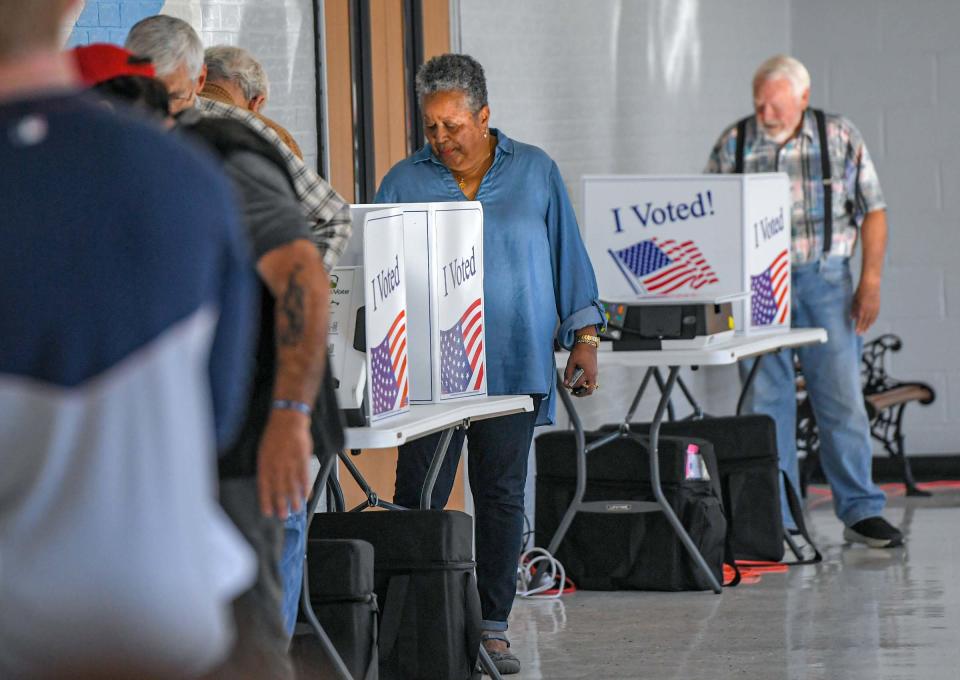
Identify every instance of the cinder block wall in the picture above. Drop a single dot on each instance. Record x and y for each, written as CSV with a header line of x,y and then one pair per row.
x,y
278,32
894,69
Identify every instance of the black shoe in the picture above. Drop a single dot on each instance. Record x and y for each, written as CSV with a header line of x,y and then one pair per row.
x,y
875,532
506,663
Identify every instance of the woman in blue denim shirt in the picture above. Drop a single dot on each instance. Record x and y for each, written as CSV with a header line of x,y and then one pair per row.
x,y
538,285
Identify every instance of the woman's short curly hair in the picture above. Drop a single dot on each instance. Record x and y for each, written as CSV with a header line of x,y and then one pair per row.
x,y
448,72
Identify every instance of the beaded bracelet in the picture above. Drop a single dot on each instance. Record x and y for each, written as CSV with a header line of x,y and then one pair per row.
x,y
289,405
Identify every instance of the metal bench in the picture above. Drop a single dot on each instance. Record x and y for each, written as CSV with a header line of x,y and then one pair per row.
x,y
885,399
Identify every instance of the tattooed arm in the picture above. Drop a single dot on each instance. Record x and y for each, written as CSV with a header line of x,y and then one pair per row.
x,y
296,278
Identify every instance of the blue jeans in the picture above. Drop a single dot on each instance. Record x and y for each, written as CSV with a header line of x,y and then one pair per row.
x,y
291,566
497,467
822,296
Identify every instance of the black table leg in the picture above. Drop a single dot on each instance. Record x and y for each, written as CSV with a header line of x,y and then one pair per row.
x,y
658,491
581,458
339,667
635,404
578,504
434,470
747,384
373,500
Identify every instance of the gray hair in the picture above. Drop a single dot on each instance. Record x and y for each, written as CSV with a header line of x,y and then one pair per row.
x,y
234,64
784,66
454,72
168,42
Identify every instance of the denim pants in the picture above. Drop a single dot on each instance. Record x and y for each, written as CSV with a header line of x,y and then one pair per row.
x,y
497,467
291,566
821,297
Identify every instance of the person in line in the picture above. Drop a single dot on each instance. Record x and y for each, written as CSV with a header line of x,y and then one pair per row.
x,y
120,76
235,78
783,136
177,54
127,314
267,470
537,275
291,272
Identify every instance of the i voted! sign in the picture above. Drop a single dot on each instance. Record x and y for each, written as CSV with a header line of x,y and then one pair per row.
x,y
693,237
388,385
459,302
767,253
656,237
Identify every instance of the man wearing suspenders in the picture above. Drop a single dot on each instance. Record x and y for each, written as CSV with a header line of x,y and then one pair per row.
x,y
836,201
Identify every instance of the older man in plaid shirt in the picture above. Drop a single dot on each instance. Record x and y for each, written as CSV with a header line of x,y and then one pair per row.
x,y
785,136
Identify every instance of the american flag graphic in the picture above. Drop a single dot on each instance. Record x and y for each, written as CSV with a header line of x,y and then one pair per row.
x,y
461,353
768,292
389,368
661,267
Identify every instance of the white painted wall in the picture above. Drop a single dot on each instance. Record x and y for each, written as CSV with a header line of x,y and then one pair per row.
x,y
894,69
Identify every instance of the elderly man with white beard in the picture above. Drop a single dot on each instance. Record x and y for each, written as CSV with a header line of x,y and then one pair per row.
x,y
837,202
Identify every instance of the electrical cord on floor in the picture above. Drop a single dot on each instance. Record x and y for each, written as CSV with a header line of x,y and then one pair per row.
x,y
527,532
541,575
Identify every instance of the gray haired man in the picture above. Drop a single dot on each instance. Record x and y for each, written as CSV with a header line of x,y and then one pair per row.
x,y
234,77
830,219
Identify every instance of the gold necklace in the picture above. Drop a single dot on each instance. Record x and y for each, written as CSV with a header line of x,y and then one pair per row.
x,y
462,179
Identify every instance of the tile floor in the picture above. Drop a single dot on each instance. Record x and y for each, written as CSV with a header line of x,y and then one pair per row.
x,y
862,614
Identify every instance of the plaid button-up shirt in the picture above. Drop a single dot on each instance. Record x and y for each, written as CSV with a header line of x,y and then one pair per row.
x,y
856,188
328,214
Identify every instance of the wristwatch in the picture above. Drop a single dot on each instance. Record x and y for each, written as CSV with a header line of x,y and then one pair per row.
x,y
591,340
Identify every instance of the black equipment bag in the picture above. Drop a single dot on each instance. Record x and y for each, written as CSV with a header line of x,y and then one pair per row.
x,y
340,576
620,551
746,449
426,587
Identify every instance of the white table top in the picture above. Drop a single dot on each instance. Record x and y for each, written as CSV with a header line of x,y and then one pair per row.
x,y
728,352
424,419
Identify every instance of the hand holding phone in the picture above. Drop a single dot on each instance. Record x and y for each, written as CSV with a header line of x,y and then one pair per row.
x,y
577,374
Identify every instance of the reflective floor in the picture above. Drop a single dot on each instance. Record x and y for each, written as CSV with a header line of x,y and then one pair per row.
x,y
861,614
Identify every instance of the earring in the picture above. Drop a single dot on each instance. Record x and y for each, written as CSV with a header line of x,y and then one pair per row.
x,y
484,135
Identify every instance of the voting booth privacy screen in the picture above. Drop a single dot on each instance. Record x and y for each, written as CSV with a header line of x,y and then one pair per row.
x,y
458,358
693,238
443,258
388,383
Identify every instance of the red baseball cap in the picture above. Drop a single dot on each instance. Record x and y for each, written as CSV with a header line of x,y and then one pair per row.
x,y
102,61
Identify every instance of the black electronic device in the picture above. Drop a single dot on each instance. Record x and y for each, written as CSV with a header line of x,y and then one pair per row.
x,y
668,325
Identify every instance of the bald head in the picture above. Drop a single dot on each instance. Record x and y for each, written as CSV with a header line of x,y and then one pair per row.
x,y
32,26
